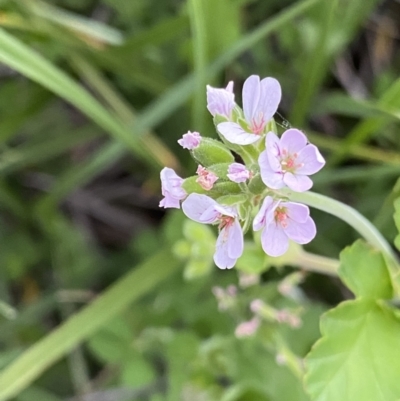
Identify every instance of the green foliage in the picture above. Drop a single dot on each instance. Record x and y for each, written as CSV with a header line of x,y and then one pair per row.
x,y
358,352
363,269
360,338
94,95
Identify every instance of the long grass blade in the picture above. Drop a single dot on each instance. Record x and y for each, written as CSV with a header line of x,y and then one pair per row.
x,y
33,362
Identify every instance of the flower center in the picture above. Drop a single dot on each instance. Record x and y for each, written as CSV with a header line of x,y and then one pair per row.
x,y
288,162
225,221
281,216
258,124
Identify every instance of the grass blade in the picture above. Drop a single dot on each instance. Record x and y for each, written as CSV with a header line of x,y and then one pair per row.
x,y
26,368
18,56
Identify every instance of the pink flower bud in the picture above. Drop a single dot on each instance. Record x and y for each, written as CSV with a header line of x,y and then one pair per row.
x,y
190,140
248,328
171,188
256,305
206,178
238,173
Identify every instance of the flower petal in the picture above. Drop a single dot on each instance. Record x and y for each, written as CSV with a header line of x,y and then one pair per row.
x,y
302,233
298,183
270,97
311,159
296,211
293,141
273,240
229,87
221,255
234,133
190,140
273,151
238,172
261,217
220,101
235,240
168,202
250,97
271,178
200,208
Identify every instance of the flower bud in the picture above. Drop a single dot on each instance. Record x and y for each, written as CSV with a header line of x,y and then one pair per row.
x,y
211,152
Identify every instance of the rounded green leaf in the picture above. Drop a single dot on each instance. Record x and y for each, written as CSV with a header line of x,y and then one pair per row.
x,y
358,356
364,271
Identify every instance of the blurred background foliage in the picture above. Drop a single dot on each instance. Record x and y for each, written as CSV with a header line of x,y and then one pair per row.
x,y
94,95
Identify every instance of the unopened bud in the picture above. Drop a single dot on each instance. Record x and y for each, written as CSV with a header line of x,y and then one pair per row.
x,y
211,152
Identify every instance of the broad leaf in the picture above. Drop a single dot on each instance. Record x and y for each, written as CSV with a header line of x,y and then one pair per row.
x,y
364,271
358,356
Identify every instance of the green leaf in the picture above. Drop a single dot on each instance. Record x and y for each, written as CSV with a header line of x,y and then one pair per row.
x,y
358,356
364,271
26,368
136,371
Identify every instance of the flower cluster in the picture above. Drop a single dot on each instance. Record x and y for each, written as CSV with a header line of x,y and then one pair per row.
x,y
235,191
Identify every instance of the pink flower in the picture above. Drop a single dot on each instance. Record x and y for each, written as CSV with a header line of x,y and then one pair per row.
x,y
260,103
238,172
190,140
221,101
282,221
206,178
289,160
203,209
171,188
246,329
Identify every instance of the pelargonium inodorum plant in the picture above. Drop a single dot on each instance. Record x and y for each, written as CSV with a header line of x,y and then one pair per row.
x,y
256,177
239,181
254,185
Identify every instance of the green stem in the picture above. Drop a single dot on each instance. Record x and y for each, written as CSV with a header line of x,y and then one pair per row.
x,y
316,263
350,216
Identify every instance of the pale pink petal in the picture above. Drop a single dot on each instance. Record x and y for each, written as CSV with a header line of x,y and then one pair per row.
x,y
200,208
250,97
190,140
273,240
221,255
311,160
234,133
296,211
302,233
238,172
235,240
298,183
226,210
261,217
220,101
171,182
273,151
169,202
171,188
270,178
293,141
229,87
270,97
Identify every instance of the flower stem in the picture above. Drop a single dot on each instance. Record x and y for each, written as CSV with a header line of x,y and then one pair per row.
x,y
350,216
315,263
